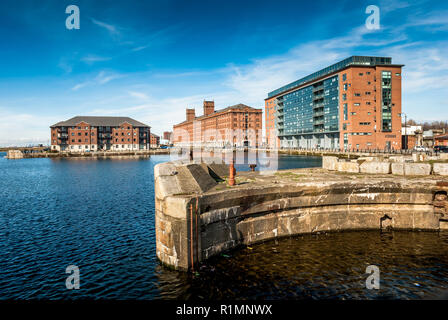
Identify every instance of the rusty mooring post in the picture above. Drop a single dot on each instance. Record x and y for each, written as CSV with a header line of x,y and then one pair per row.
x,y
252,167
232,173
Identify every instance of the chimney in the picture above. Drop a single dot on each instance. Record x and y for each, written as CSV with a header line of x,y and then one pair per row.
x,y
209,107
190,114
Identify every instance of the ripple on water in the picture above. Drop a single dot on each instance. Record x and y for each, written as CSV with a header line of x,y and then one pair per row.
x,y
99,215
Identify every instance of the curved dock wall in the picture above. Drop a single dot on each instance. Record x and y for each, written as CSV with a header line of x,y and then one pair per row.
x,y
193,224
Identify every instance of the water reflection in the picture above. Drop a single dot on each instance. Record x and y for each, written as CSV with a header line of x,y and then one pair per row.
x,y
413,265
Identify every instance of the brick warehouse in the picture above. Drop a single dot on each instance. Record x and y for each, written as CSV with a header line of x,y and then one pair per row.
x,y
353,104
86,134
237,125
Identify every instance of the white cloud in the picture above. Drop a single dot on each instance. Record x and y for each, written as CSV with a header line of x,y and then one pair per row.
x,y
91,58
109,27
103,77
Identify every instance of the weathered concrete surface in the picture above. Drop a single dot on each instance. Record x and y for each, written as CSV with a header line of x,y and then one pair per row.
x,y
329,163
14,154
375,167
440,168
352,167
417,169
398,168
194,226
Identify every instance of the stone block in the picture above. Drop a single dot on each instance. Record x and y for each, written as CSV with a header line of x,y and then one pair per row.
x,y
351,167
14,154
398,168
329,163
164,169
375,167
441,169
201,176
417,169
221,170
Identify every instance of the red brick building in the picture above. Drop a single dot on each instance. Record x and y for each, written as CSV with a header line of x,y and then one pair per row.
x,y
86,134
154,141
353,104
167,136
237,125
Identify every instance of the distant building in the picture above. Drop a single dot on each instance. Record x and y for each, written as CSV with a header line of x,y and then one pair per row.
x,y
87,133
353,104
411,137
441,140
237,125
429,137
167,136
155,141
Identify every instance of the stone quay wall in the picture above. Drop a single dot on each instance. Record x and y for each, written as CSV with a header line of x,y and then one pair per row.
x,y
199,216
417,165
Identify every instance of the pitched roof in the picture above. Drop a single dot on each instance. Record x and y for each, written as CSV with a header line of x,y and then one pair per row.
x,y
99,121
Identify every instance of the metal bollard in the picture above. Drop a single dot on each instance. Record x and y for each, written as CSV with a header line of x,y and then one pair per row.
x,y
232,173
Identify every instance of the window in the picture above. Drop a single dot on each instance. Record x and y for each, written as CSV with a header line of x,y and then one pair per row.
x,y
344,126
345,87
344,96
345,112
344,77
87,133
397,74
73,134
361,74
357,94
368,103
368,72
353,113
367,92
356,104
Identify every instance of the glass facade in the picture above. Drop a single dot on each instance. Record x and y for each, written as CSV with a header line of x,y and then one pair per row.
x,y
354,60
314,108
386,111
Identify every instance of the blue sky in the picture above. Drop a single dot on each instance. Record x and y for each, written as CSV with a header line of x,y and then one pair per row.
x,y
151,59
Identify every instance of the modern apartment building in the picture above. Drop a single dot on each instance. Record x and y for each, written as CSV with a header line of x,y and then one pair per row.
x,y
85,134
353,104
237,125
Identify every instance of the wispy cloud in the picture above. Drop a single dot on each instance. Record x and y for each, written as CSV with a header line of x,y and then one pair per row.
x,y
113,30
91,58
103,77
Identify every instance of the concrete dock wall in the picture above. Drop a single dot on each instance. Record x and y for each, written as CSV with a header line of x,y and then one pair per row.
x,y
195,220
